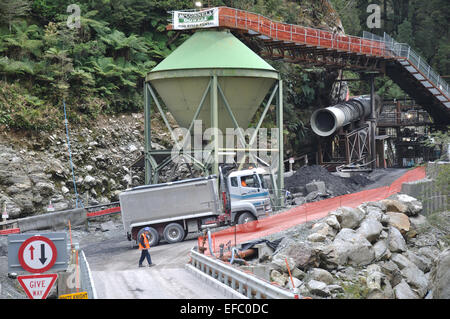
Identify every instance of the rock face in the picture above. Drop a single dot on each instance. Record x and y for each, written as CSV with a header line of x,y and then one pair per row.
x,y
35,169
373,251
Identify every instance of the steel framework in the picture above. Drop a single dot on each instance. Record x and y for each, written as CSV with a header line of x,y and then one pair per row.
x,y
156,160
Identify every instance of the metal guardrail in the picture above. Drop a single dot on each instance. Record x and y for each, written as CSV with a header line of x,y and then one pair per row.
x,y
403,50
86,280
281,31
415,117
244,283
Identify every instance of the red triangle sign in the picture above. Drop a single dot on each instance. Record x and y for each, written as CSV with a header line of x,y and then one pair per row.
x,y
37,286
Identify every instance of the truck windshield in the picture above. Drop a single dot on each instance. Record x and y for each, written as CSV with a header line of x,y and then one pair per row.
x,y
263,182
249,181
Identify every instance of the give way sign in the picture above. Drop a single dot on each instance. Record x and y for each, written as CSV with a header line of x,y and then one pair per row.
x,y
37,286
37,254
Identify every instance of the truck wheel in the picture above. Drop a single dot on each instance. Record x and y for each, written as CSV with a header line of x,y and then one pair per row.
x,y
246,218
154,236
174,233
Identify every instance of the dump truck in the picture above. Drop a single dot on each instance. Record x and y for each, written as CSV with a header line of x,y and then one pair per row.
x,y
175,209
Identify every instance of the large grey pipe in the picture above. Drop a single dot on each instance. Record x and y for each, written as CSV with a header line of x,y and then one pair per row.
x,y
327,121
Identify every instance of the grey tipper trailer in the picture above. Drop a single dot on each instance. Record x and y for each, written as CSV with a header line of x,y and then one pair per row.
x,y
171,210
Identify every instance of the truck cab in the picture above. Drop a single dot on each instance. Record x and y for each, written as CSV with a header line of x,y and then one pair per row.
x,y
249,195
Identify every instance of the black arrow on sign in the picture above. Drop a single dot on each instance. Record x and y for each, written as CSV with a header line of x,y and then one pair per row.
x,y
43,259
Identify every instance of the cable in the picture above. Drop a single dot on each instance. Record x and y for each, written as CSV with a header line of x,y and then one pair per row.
x,y
66,122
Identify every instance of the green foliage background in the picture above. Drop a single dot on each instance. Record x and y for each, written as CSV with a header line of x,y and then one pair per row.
x,y
100,67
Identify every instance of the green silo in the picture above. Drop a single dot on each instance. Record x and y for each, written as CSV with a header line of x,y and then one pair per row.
x,y
215,78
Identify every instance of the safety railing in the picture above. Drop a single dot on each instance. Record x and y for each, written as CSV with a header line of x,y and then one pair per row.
x,y
369,44
403,50
246,284
278,31
415,117
290,33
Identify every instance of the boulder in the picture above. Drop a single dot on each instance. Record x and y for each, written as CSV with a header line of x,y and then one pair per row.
x,y
414,206
374,213
317,237
379,206
395,206
401,261
370,229
350,247
382,251
404,291
420,261
349,217
322,275
416,279
302,254
333,222
316,186
392,272
279,262
396,241
399,221
440,276
323,229
373,280
318,288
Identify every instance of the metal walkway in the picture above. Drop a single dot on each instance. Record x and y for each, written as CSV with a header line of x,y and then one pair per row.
x,y
297,44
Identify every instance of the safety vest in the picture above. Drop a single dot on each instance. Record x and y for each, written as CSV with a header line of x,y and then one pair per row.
x,y
147,244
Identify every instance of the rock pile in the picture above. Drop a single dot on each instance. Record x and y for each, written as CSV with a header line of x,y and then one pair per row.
x,y
377,250
313,183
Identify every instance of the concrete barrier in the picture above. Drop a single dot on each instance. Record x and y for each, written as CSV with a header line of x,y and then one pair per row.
x,y
53,220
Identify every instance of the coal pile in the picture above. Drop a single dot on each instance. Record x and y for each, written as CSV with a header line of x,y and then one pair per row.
x,y
335,185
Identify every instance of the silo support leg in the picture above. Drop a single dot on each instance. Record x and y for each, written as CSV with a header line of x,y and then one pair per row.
x,y
280,182
215,123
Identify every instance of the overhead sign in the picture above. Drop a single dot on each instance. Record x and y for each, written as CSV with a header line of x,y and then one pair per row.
x,y
37,253
196,19
77,295
37,286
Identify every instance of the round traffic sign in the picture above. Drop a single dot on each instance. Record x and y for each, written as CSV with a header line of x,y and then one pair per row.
x,y
37,254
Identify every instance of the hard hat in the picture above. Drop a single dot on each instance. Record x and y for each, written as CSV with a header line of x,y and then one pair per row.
x,y
147,228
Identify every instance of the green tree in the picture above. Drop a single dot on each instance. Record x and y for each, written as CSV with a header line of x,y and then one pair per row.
x,y
11,10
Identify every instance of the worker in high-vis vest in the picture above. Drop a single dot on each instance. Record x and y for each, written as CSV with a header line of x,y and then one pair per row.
x,y
144,246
